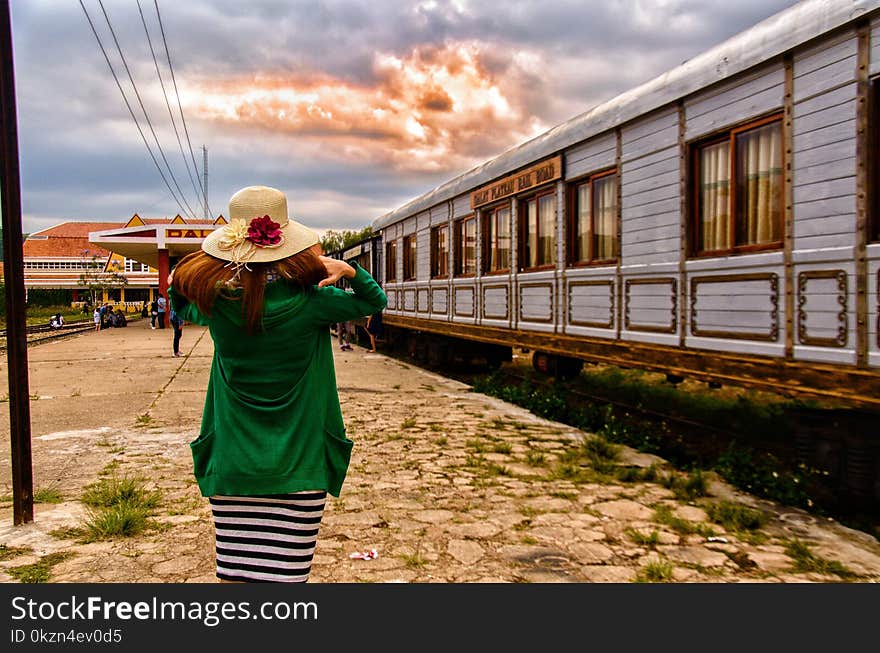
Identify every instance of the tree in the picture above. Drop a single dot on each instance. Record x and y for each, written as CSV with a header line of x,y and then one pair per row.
x,y
333,241
96,280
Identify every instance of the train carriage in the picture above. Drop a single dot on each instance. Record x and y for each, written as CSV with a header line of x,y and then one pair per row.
x,y
718,222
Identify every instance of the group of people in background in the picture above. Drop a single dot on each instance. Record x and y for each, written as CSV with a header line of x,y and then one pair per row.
x,y
345,332
105,317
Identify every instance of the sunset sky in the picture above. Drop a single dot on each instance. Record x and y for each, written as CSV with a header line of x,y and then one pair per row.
x,y
351,107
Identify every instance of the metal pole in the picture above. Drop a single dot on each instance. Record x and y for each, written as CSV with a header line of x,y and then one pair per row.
x,y
205,175
13,272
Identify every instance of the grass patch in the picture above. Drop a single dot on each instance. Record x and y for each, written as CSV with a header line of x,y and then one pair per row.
x,y
414,560
9,552
47,495
408,423
119,507
502,447
497,470
687,487
536,458
559,494
736,517
806,561
659,571
650,540
116,491
124,520
663,515
68,533
39,572
143,420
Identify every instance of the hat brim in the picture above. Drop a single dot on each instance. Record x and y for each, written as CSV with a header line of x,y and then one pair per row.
x,y
296,238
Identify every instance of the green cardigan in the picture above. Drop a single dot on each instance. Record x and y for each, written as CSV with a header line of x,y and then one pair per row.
x,y
272,423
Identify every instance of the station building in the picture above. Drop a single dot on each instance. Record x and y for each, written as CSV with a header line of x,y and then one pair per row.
x,y
70,255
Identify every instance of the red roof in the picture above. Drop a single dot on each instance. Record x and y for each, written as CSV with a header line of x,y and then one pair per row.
x,y
68,239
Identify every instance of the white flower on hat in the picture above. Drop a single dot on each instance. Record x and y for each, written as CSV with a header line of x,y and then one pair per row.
x,y
233,234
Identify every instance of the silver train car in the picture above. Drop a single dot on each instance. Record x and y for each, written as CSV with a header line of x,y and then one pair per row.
x,y
720,222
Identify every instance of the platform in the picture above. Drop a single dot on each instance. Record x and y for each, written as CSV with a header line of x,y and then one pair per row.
x,y
448,486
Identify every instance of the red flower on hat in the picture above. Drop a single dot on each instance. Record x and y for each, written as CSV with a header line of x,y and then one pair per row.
x,y
264,232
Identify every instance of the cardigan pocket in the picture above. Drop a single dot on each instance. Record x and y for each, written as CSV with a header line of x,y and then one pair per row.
x,y
337,451
202,448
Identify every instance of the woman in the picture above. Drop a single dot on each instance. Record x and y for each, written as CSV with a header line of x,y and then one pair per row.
x,y
272,442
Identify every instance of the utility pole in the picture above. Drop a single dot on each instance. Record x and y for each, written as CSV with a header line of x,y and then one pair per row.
x,y
205,183
13,272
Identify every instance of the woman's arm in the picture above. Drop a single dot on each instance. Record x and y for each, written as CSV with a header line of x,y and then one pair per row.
x,y
332,304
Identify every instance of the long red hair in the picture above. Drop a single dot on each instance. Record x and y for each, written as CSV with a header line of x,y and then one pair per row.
x,y
201,278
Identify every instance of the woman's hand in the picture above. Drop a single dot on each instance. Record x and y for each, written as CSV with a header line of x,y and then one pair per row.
x,y
336,269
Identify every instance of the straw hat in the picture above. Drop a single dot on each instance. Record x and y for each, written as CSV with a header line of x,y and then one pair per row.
x,y
259,230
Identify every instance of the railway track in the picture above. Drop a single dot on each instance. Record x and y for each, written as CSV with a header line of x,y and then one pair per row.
x,y
37,333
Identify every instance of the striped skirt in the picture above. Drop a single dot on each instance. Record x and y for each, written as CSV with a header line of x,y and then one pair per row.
x,y
267,539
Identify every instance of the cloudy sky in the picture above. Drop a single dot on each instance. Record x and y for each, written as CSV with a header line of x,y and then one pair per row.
x,y
352,107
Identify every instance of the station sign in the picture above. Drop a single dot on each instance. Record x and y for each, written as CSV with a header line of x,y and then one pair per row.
x,y
187,233
540,173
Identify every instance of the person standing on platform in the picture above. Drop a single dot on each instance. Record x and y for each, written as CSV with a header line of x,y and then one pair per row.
x,y
344,331
177,325
161,304
272,442
374,329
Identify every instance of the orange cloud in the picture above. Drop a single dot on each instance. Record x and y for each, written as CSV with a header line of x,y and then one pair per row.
x,y
437,110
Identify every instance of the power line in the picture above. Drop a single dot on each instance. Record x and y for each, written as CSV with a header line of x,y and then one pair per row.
x,y
167,103
128,105
143,108
176,92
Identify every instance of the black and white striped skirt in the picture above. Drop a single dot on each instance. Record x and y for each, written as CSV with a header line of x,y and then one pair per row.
x,y
269,538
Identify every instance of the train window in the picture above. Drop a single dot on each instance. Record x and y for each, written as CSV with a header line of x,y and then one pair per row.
x,y
593,229
537,240
391,261
737,185
409,257
496,239
464,251
440,252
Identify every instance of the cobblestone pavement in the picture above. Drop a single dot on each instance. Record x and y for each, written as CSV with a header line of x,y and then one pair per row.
x,y
447,486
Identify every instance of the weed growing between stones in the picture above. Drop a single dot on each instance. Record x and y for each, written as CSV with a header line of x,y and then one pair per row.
x,y
40,571
118,507
659,571
806,561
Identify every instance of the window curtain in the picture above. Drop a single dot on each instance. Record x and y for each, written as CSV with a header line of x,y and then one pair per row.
x,y
530,255
604,216
582,230
759,185
502,225
547,230
441,252
470,247
715,197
